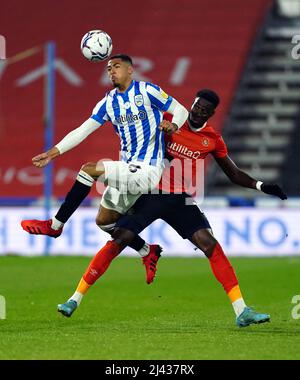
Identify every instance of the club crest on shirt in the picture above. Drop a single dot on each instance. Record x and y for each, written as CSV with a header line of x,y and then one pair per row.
x,y
139,100
205,142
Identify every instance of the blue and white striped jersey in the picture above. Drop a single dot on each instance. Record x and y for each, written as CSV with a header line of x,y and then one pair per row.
x,y
136,115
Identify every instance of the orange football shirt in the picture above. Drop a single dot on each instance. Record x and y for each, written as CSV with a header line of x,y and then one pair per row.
x,y
187,147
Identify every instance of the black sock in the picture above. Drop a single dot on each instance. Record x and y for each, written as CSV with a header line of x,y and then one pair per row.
x,y
137,243
74,198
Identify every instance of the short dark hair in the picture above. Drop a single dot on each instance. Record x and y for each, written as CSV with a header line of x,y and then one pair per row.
x,y
209,95
123,57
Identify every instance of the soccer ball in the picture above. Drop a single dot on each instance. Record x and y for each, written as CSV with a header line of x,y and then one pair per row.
x,y
96,45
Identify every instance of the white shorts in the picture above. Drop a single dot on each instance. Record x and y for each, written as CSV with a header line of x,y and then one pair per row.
x,y
120,202
127,182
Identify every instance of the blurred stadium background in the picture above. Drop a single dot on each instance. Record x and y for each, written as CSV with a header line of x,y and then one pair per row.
x,y
244,50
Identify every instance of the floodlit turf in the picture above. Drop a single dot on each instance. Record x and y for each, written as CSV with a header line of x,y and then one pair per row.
x,y
183,315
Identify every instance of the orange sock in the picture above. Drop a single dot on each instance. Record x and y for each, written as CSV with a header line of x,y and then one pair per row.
x,y
224,273
234,294
83,286
237,300
222,269
101,262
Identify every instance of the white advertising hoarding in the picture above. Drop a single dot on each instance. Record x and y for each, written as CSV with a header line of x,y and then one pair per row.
x,y
240,231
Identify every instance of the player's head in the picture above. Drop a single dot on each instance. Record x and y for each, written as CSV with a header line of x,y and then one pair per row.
x,y
204,106
120,69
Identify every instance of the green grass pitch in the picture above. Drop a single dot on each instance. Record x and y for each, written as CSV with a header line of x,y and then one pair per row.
x,y
183,315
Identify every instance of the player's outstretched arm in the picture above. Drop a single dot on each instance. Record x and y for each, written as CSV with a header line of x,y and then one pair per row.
x,y
239,177
71,140
43,159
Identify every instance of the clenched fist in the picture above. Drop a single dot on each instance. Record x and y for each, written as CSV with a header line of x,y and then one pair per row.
x,y
273,189
168,127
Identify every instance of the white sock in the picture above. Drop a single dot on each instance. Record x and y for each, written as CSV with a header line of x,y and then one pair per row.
x,y
76,297
239,306
56,224
144,251
85,178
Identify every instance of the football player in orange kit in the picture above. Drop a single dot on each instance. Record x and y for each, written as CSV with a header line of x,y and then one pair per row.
x,y
195,140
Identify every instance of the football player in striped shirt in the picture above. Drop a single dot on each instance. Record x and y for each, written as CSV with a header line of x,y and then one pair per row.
x,y
195,140
135,109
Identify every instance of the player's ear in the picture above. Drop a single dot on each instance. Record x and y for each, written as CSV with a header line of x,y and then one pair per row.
x,y
130,69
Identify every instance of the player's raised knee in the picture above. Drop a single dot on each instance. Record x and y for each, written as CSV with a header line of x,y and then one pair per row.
x,y
106,224
93,169
208,247
101,221
89,167
204,240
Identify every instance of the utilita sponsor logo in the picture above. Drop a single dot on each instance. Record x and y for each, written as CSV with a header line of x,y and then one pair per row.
x,y
183,150
131,118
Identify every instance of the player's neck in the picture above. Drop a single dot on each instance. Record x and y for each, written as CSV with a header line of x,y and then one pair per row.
x,y
124,87
196,127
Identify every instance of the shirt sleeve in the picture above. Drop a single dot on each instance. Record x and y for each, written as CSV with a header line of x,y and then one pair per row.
x,y
99,112
76,136
220,148
158,97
